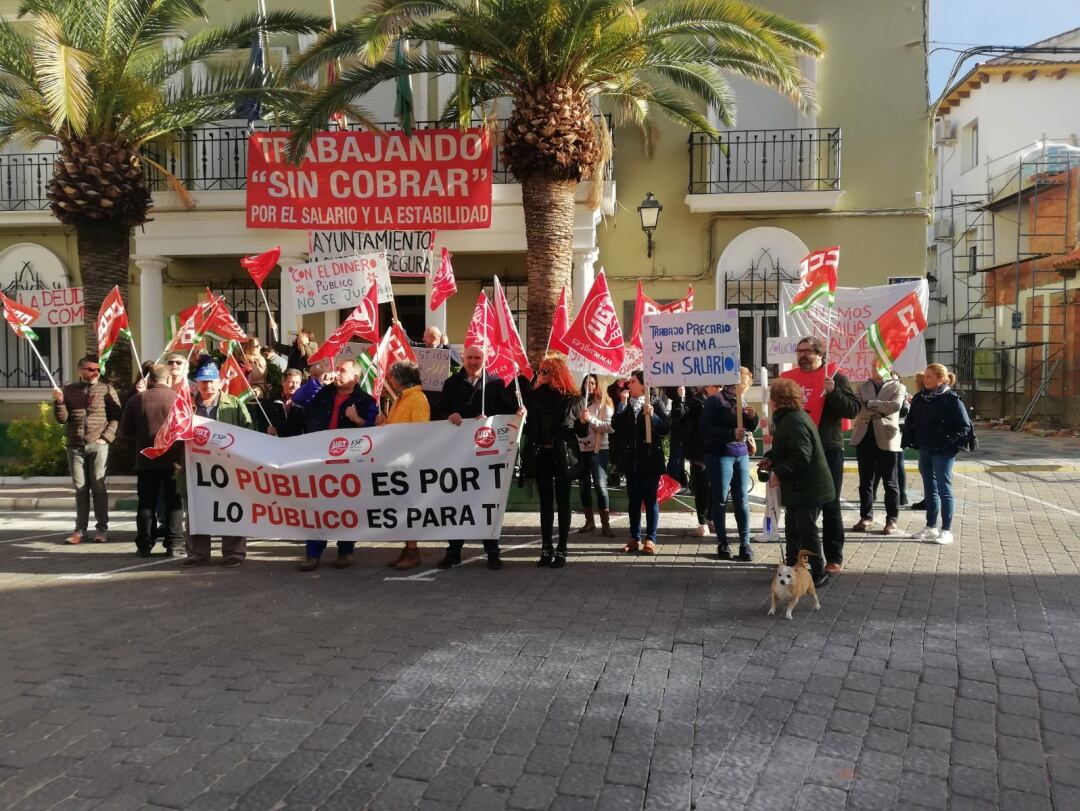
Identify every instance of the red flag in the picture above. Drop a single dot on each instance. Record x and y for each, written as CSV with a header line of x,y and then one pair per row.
x,y
393,347
668,488
817,279
20,317
595,334
232,377
507,334
498,360
560,323
646,306
259,267
179,425
442,284
219,323
112,321
893,330
363,322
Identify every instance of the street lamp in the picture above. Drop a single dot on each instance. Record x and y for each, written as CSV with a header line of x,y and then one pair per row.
x,y
932,284
649,211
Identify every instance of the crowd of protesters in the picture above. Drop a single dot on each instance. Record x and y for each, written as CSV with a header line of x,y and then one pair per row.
x,y
575,433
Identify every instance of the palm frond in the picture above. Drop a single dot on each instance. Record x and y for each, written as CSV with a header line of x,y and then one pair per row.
x,y
62,76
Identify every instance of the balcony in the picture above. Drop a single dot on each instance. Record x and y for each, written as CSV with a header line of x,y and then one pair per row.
x,y
765,170
208,159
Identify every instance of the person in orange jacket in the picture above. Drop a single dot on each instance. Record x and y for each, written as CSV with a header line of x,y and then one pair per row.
x,y
411,406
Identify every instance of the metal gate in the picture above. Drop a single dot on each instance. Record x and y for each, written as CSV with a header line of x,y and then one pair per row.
x,y
247,306
756,295
20,369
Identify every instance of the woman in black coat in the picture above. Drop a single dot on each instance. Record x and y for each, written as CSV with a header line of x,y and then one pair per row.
x,y
939,426
553,426
641,462
797,466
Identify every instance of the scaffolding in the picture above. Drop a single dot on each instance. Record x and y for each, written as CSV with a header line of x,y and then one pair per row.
x,y
1003,243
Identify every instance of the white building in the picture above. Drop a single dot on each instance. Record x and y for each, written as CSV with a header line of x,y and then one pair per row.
x,y
998,114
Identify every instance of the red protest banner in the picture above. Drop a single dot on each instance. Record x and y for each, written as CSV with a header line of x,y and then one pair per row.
x,y
366,181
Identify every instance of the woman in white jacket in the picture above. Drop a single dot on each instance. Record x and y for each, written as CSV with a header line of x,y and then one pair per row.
x,y
594,454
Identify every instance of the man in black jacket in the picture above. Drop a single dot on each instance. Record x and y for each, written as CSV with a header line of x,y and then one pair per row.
x,y
286,416
840,404
155,479
466,396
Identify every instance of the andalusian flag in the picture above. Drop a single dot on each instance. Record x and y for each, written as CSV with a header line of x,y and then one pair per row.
x,y
112,324
233,379
20,317
817,279
369,372
891,333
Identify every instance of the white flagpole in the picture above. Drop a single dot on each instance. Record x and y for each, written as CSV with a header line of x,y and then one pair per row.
x,y
270,315
41,360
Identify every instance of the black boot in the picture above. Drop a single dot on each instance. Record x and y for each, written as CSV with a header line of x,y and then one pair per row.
x,y
723,551
547,555
450,559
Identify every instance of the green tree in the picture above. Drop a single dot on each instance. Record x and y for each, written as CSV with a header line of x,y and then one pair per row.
x,y
556,60
94,76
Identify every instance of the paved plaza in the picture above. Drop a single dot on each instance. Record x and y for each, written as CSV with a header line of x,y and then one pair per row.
x,y
932,677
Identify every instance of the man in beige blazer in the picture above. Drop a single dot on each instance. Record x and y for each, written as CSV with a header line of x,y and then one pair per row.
x,y
876,437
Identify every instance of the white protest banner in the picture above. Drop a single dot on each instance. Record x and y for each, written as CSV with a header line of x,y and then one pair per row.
x,y
409,254
691,349
339,284
57,307
380,484
434,366
781,350
856,308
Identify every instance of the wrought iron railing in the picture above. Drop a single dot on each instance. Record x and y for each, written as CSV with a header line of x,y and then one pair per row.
x,y
205,159
751,161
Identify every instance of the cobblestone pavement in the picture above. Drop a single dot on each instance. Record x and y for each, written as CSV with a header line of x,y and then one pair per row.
x,y
932,677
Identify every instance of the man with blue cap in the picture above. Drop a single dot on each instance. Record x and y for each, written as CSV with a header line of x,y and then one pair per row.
x,y
214,404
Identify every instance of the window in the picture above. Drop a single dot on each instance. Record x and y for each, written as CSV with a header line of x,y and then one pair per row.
x,y
969,146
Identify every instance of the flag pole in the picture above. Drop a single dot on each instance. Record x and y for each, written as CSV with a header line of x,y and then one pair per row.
x,y
44,365
648,419
255,396
270,315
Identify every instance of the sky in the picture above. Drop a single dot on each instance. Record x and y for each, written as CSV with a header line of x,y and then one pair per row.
x,y
991,22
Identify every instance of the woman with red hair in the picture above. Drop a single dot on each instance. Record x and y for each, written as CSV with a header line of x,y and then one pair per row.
x,y
553,427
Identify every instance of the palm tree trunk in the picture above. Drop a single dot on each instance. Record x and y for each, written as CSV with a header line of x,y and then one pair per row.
x,y
549,256
104,260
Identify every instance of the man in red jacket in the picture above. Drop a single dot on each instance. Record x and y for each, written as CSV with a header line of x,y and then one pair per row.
x,y
90,410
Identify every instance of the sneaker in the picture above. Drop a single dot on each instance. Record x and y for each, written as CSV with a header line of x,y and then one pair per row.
x,y
746,554
494,561
101,537
74,538
187,563
699,532
946,537
822,580
232,563
927,534
723,551
309,565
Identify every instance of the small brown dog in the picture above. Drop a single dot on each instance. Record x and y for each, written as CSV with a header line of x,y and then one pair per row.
x,y
791,583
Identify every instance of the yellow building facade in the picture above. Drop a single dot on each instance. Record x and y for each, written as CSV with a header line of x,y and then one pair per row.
x,y
738,212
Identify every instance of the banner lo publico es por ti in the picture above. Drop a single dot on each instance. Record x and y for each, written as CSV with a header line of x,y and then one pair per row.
x,y
365,181
379,484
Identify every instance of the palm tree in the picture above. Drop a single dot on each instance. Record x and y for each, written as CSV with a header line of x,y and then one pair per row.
x,y
555,60
94,77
